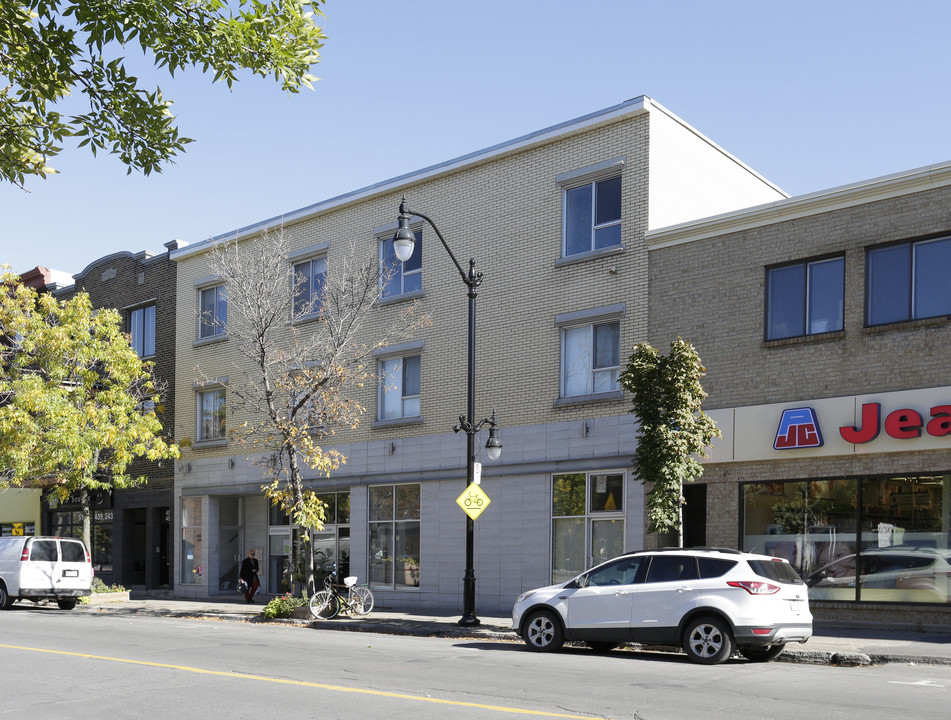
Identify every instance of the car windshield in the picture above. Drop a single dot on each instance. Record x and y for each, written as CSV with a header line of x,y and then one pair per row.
x,y
776,570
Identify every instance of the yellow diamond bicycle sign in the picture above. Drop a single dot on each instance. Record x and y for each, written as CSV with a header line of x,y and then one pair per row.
x,y
473,501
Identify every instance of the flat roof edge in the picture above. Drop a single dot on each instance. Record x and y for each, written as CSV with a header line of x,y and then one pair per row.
x,y
836,198
634,106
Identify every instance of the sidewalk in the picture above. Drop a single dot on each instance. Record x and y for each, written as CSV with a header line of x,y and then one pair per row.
x,y
828,646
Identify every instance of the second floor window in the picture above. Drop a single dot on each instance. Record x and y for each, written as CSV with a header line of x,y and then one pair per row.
x,y
590,359
399,387
592,216
908,281
309,286
211,414
213,309
142,330
401,278
805,299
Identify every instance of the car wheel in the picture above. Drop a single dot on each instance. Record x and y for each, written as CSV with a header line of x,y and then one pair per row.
x,y
602,646
66,603
5,600
707,641
761,653
543,632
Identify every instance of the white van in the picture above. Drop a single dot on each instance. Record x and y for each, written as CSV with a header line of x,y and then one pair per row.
x,y
44,568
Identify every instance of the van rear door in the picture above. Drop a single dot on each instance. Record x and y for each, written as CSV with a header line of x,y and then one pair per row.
x,y
73,575
38,570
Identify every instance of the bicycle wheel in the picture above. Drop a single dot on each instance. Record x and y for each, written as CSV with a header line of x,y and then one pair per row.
x,y
361,600
324,605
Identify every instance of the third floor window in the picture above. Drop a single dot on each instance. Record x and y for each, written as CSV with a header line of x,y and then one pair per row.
x,y
142,330
309,286
213,311
592,216
401,278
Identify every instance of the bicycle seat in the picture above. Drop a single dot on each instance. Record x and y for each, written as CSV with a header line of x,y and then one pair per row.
x,y
350,581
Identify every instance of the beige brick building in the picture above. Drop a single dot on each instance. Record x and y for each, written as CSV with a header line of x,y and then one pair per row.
x,y
822,321
556,220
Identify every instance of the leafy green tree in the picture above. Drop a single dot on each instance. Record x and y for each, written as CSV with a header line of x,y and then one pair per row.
x,y
53,49
674,431
77,403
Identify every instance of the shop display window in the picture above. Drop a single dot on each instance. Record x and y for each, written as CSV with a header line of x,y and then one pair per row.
x,y
873,539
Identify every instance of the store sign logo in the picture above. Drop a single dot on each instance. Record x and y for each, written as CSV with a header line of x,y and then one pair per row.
x,y
798,428
901,424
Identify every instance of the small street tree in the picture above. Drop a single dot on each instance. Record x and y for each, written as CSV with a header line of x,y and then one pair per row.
x,y
304,341
54,50
77,403
674,431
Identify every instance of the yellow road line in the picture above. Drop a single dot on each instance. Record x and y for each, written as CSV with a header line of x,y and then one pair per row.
x,y
300,683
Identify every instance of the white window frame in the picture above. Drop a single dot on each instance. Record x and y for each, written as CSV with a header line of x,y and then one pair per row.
x,y
401,278
311,306
201,393
393,379
214,327
588,321
410,405
589,177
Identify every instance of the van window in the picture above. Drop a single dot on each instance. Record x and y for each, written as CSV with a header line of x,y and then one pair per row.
x,y
44,550
73,552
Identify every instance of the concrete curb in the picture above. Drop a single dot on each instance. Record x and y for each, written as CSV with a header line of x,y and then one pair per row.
x,y
826,654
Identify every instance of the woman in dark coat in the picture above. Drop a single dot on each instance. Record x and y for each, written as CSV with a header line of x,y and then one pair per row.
x,y
249,573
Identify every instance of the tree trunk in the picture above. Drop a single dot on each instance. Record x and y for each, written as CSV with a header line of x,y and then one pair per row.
x,y
297,483
85,514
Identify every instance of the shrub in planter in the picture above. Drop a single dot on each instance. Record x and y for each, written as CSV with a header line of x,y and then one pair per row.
x,y
282,606
99,588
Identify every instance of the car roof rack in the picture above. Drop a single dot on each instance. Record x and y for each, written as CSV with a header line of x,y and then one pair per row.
x,y
730,551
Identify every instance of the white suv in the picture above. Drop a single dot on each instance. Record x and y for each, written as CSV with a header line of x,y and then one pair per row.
x,y
709,601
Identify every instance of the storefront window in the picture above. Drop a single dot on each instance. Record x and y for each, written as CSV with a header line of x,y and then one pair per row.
x,y
102,541
587,521
69,523
191,541
394,536
331,546
885,539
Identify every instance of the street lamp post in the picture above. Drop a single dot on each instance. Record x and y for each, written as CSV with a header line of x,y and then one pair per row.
x,y
403,242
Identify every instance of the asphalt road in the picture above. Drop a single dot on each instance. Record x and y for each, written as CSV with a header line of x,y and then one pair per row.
x,y
56,664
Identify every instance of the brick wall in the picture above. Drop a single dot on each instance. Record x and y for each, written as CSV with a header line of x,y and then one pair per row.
x,y
125,280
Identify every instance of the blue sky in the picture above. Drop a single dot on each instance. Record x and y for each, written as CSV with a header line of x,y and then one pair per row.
x,y
810,94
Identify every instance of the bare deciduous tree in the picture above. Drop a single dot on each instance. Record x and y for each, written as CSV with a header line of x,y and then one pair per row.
x,y
306,350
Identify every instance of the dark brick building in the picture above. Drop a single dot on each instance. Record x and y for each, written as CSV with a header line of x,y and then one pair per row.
x,y
132,543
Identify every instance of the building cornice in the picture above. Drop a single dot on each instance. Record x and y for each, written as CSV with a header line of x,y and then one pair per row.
x,y
837,198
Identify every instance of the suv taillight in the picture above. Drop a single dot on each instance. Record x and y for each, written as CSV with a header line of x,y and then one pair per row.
x,y
25,555
755,587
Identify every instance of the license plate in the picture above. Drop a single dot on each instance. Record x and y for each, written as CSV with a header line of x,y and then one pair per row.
x,y
70,573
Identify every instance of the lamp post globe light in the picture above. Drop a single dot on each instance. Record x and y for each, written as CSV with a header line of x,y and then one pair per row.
x,y
403,243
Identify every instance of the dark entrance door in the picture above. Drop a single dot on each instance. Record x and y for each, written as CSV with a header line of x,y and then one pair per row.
x,y
164,539
137,549
695,515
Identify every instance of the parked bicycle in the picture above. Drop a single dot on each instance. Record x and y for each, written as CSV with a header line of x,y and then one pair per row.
x,y
335,598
